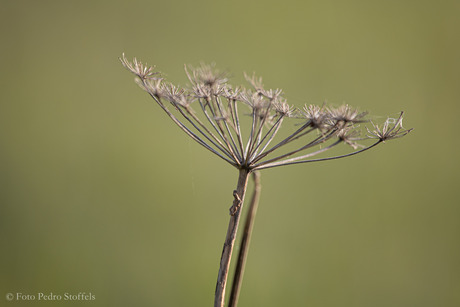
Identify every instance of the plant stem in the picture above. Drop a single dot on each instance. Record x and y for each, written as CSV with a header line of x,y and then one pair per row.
x,y
245,240
235,213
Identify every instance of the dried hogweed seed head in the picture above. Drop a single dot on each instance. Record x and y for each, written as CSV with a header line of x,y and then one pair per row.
x,y
206,74
256,102
272,94
255,82
177,96
283,108
346,114
349,136
317,116
219,127
232,93
143,71
155,87
391,129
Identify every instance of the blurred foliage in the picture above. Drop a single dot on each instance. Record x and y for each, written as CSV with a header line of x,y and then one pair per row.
x,y
101,193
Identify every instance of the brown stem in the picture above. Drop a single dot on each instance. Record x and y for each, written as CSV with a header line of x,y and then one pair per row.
x,y
245,240
235,213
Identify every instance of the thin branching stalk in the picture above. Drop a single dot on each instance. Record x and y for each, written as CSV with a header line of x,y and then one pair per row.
x,y
215,124
245,241
272,132
319,140
317,160
234,111
260,125
235,213
220,146
282,143
187,130
226,122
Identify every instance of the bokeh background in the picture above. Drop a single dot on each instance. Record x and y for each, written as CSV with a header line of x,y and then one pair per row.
x,y
102,194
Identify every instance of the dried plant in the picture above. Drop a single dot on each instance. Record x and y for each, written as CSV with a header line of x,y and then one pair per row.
x,y
253,140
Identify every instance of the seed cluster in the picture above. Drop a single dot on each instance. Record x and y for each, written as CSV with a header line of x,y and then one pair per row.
x,y
252,140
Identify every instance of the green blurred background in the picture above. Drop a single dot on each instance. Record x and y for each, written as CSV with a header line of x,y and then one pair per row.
x,y
101,193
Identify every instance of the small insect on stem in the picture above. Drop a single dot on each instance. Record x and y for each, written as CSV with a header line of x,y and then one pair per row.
x,y
236,203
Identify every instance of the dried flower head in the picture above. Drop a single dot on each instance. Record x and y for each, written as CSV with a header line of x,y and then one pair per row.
x,y
391,129
346,114
317,117
283,108
256,82
154,86
176,96
232,93
218,127
350,136
206,74
143,71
